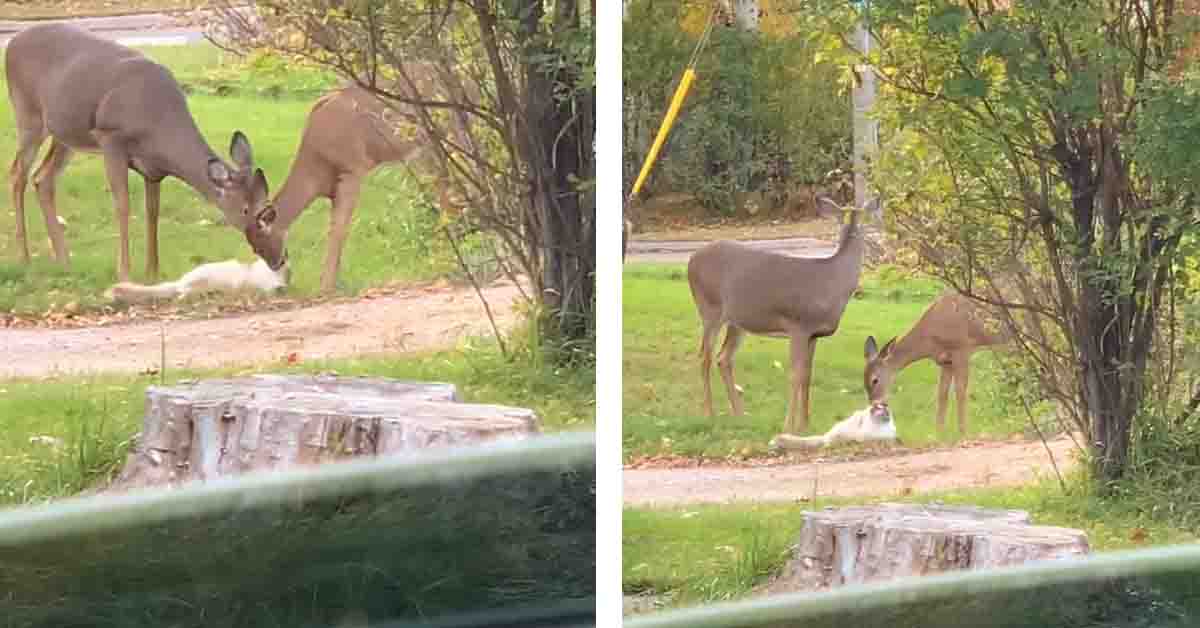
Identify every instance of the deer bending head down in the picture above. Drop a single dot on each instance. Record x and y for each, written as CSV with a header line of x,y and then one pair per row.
x,y
770,294
93,95
348,134
949,332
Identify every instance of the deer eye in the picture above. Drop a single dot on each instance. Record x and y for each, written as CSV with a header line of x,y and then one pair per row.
x,y
874,380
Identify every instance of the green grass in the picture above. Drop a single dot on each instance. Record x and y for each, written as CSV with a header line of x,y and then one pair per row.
x,y
662,385
709,553
95,417
391,238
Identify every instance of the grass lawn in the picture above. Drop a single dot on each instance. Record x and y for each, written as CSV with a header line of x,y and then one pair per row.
x,y
704,554
390,239
663,394
96,416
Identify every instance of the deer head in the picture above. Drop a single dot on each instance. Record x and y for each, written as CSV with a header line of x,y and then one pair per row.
x,y
241,191
827,207
877,376
266,240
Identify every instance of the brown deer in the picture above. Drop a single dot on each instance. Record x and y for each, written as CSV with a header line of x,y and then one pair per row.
x,y
772,294
949,332
94,95
349,133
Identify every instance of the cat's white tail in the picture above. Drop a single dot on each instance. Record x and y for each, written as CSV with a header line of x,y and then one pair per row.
x,y
791,441
127,292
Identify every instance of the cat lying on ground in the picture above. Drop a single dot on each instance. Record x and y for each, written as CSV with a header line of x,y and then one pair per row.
x,y
873,423
227,276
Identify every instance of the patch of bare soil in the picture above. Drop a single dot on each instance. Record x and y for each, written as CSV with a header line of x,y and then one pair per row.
x,y
678,251
424,318
844,453
976,464
678,216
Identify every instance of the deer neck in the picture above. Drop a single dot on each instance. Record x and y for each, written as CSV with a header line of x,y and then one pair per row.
x,y
850,250
908,349
186,160
298,191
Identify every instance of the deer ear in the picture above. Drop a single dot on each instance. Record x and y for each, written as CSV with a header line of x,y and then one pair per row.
x,y
259,189
887,349
218,172
870,350
266,217
239,149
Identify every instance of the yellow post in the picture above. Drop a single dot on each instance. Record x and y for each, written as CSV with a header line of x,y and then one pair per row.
x,y
684,83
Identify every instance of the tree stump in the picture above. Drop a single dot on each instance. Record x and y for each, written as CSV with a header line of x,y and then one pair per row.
x,y
214,428
872,543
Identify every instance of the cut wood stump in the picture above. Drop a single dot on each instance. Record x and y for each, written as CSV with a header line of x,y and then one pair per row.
x,y
881,542
214,428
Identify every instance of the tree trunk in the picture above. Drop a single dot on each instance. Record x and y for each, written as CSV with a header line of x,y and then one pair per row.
x,y
215,428
559,149
873,543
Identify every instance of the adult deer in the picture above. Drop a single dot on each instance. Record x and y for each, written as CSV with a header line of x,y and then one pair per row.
x,y
94,95
949,332
348,134
771,294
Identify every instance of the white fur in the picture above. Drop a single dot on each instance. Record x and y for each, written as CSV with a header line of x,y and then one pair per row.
x,y
227,276
859,427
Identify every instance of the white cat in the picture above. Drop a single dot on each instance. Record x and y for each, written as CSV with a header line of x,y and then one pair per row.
x,y
873,423
227,276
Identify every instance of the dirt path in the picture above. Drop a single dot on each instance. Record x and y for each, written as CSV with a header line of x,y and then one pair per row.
x,y
142,29
413,320
678,251
973,465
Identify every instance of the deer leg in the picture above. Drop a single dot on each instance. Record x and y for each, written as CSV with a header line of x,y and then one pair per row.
x,y
706,349
944,379
46,182
802,349
153,195
733,340
961,383
116,168
345,197
29,140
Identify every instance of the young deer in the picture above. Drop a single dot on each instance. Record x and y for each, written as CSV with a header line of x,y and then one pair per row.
x,y
94,95
347,135
771,294
948,333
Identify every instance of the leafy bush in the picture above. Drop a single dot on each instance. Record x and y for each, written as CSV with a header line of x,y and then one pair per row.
x,y
765,114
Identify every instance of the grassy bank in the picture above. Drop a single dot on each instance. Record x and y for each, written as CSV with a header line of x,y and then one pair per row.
x,y
702,554
95,417
662,385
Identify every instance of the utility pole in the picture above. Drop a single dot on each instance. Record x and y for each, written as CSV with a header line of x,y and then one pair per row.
x,y
745,13
866,130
